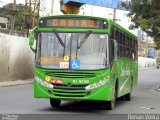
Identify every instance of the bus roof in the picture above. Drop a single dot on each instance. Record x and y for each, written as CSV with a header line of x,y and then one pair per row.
x,y
111,22
72,15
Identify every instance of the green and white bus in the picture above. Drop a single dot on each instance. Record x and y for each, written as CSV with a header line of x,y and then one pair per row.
x,y
83,58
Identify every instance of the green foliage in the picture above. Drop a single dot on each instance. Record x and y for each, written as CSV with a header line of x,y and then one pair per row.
x,y
20,21
6,11
145,14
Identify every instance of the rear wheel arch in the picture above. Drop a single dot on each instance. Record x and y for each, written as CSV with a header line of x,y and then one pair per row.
x,y
129,95
117,87
131,84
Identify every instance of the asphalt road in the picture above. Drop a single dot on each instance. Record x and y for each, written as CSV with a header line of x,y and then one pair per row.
x,y
146,99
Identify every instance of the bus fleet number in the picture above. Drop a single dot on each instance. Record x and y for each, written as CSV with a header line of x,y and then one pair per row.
x,y
81,81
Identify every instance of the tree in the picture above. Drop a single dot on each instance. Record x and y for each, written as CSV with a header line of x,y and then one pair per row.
x,y
6,11
20,21
145,14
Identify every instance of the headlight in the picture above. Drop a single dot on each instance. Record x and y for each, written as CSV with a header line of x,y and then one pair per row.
x,y
43,83
96,85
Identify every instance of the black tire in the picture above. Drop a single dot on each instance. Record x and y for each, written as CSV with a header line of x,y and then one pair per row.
x,y
129,95
55,103
109,105
122,98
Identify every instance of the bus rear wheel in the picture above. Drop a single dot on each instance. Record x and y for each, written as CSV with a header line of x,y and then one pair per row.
x,y
128,96
55,103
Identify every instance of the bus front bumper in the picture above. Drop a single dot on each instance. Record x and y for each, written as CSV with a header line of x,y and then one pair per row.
x,y
103,93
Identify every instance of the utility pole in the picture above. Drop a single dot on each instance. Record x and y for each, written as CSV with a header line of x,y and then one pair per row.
x,y
32,11
13,16
92,10
31,14
52,7
147,46
114,14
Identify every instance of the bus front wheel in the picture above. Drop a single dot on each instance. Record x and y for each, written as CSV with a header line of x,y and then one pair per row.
x,y
109,105
55,103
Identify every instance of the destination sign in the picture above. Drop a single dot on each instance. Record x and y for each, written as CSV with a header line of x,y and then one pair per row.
x,y
73,23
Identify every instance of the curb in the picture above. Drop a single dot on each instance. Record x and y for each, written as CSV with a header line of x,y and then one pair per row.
x,y
15,83
147,68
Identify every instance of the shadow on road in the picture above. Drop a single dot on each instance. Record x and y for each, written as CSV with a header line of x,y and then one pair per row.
x,y
84,106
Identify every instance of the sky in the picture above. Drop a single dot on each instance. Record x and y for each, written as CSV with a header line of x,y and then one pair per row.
x,y
45,4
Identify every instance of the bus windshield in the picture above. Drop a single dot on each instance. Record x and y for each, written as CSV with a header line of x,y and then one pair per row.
x,y
59,50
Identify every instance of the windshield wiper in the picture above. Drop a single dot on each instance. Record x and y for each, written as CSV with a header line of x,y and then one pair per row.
x,y
59,38
84,38
64,46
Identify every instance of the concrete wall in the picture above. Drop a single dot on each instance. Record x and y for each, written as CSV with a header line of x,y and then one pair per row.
x,y
146,62
16,58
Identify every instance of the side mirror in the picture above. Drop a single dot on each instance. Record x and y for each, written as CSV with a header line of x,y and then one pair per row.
x,y
32,38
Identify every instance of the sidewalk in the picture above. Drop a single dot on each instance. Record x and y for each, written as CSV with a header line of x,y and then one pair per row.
x,y
17,82
147,68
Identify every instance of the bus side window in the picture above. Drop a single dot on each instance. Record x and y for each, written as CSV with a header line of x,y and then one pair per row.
x,y
124,52
128,51
128,39
112,33
136,50
121,51
121,39
118,41
119,47
132,44
112,52
124,40
117,36
133,50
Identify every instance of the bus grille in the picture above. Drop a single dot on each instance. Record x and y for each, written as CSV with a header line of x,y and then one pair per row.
x,y
72,87
70,74
71,91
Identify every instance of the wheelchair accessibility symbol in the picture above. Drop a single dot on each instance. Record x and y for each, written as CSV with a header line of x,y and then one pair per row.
x,y
75,64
